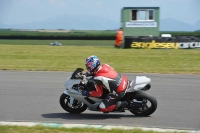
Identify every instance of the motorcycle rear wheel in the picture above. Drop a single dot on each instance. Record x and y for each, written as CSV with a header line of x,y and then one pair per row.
x,y
76,108
143,109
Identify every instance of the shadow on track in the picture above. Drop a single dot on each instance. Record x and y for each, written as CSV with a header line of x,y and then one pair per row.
x,y
86,116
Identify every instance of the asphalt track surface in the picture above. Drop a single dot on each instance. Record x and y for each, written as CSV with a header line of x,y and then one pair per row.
x,y
34,97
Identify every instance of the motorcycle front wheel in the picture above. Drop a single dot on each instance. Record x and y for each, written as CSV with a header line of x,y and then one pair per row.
x,y
142,103
75,107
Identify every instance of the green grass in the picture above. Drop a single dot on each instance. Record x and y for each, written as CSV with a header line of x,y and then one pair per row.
x,y
67,58
41,129
64,42
7,32
15,32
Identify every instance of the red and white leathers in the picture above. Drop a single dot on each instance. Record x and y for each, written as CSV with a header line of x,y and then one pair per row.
x,y
115,83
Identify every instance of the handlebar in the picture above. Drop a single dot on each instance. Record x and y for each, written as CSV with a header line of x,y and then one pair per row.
x,y
84,80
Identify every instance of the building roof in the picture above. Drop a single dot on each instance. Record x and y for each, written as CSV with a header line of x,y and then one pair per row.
x,y
140,7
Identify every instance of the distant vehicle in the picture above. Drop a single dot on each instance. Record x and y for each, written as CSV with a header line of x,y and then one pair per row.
x,y
166,35
56,43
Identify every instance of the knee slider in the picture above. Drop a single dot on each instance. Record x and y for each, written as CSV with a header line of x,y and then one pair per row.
x,y
102,105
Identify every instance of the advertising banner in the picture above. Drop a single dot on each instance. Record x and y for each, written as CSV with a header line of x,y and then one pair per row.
x,y
141,24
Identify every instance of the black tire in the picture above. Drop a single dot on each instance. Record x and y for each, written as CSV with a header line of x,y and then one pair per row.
x,y
75,109
144,96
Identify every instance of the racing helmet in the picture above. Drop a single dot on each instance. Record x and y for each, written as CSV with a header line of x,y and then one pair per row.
x,y
91,63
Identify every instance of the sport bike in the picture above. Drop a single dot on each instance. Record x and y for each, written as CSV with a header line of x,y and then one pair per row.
x,y
140,102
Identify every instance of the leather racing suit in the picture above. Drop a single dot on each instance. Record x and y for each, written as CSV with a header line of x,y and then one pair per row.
x,y
115,83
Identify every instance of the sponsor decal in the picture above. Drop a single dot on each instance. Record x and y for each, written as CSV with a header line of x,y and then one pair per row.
x,y
141,24
154,44
120,80
109,98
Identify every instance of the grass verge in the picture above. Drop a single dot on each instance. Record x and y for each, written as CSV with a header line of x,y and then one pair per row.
x,y
41,129
64,42
67,58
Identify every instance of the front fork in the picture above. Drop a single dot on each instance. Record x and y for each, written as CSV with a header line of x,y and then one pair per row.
x,y
72,100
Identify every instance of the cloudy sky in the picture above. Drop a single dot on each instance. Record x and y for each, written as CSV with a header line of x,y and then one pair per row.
x,y
25,11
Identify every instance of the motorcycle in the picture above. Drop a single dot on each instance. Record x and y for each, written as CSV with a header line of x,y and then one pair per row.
x,y
140,102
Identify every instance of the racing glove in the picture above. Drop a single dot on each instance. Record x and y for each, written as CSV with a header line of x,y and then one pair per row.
x,y
85,93
87,74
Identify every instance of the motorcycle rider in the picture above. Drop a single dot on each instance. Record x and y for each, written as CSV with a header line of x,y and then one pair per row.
x,y
106,76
